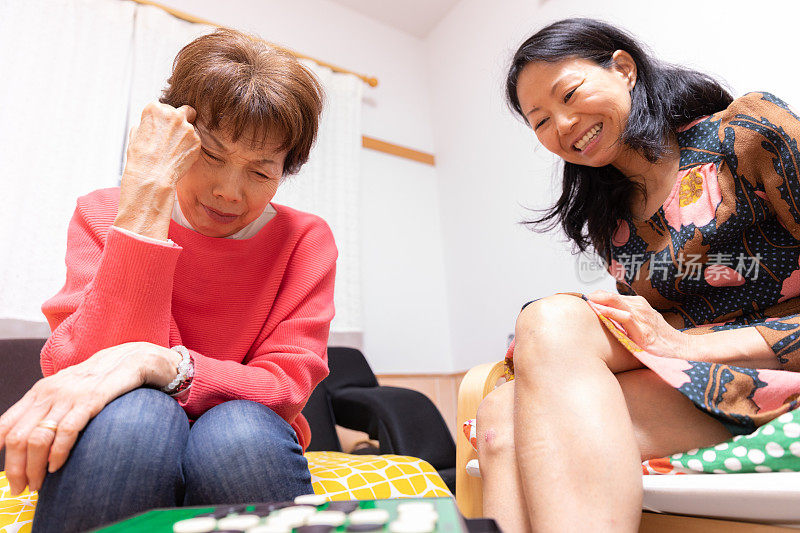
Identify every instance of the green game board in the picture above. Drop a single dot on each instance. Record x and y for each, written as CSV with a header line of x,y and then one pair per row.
x,y
161,520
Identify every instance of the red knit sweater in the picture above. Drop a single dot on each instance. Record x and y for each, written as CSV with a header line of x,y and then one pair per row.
x,y
254,313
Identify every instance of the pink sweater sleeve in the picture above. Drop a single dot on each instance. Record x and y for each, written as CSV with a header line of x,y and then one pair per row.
x,y
290,358
118,289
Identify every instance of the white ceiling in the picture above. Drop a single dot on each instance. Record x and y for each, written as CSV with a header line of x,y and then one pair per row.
x,y
417,17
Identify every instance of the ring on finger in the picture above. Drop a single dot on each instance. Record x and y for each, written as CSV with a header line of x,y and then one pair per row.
x,y
48,424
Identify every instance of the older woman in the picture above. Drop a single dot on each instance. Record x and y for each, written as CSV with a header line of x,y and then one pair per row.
x,y
193,323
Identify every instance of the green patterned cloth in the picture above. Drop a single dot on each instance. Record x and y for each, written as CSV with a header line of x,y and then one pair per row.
x,y
773,447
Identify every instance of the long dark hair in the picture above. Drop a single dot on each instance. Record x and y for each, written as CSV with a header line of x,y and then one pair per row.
x,y
664,98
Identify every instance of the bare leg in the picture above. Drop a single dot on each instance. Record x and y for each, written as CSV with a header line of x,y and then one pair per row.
x,y
503,497
580,463
664,422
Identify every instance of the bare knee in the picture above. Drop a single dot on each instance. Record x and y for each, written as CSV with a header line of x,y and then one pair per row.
x,y
551,314
495,430
562,331
549,325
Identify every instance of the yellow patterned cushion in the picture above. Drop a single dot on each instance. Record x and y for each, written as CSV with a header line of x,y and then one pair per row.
x,y
16,512
339,476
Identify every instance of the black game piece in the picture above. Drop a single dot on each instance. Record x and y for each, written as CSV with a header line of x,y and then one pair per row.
x,y
345,506
274,506
314,528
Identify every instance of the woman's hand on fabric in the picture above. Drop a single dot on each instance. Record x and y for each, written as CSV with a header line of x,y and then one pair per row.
x,y
68,400
644,325
161,150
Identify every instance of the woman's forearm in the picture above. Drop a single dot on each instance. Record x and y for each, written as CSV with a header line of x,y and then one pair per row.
x,y
146,208
739,347
119,289
162,148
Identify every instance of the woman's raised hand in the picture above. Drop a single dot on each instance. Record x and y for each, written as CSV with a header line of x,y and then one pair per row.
x,y
644,325
39,430
164,145
161,149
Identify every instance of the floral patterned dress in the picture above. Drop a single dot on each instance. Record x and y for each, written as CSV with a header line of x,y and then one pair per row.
x,y
723,252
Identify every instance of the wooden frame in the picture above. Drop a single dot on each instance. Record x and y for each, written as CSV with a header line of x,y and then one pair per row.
x,y
477,383
188,17
397,150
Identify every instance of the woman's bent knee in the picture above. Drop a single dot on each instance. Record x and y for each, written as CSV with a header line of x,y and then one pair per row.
x,y
242,424
139,414
553,313
144,429
243,429
495,421
142,415
561,331
140,433
243,452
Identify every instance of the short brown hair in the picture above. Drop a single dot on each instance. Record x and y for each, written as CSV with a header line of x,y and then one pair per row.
x,y
241,83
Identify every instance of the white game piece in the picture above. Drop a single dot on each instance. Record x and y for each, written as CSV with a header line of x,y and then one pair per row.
x,y
421,514
412,526
369,516
303,511
292,516
238,521
310,499
202,524
270,528
286,522
419,518
328,518
415,507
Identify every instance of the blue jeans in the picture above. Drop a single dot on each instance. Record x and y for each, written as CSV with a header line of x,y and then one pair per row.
x,y
140,453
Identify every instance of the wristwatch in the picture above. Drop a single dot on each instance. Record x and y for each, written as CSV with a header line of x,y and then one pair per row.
x,y
185,373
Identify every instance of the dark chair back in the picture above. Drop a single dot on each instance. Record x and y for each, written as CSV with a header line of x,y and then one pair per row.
x,y
319,414
19,370
404,421
349,368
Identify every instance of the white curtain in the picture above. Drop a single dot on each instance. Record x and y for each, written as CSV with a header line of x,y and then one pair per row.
x,y
63,99
77,75
157,38
328,186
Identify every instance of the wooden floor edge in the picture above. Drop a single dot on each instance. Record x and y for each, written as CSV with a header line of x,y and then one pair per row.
x,y
671,523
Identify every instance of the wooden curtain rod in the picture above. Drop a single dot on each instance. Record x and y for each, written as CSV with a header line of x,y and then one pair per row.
x,y
369,80
367,142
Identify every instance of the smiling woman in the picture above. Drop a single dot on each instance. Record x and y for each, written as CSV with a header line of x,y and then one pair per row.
x,y
682,190
195,314
580,87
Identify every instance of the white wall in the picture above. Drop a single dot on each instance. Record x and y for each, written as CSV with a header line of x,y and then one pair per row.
x,y
488,163
405,313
